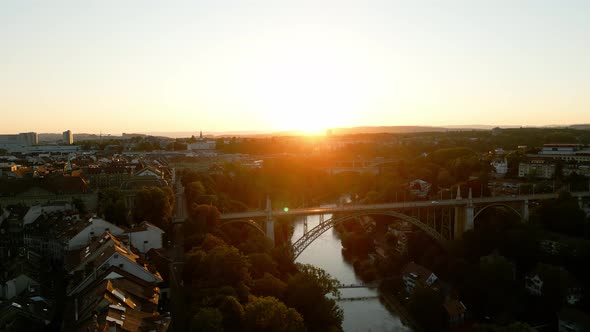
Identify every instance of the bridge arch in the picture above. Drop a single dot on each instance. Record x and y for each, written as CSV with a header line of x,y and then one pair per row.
x,y
249,222
302,243
511,208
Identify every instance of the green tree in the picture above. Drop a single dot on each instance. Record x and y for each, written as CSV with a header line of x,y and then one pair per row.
x,y
267,314
155,205
426,304
269,286
261,264
207,320
233,313
306,292
112,205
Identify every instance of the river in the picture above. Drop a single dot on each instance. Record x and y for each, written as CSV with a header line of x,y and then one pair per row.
x,y
359,315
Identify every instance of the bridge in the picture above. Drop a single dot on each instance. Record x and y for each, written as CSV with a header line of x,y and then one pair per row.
x,y
360,285
442,220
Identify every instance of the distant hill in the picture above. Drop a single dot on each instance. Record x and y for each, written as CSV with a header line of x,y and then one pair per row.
x,y
580,126
386,129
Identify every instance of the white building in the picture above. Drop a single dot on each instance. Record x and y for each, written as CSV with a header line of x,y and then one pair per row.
x,y
500,166
93,228
145,237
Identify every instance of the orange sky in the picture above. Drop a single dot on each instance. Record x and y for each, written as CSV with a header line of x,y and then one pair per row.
x,y
263,66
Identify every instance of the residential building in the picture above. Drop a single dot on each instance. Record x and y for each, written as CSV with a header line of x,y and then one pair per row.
x,y
68,137
145,236
500,166
419,188
536,167
456,311
101,254
534,284
413,274
80,235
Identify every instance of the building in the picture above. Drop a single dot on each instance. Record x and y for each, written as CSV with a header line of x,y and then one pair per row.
x,y
68,137
145,237
536,167
36,191
419,188
414,274
18,142
100,255
500,166
81,235
456,311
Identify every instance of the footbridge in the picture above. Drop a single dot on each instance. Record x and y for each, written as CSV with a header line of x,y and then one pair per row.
x,y
442,220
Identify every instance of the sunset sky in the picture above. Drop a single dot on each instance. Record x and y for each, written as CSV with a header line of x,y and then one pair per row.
x,y
141,66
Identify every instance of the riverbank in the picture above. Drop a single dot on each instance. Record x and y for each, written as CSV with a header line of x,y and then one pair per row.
x,y
401,310
367,314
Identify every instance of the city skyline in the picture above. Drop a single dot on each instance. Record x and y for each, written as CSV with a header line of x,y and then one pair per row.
x,y
265,66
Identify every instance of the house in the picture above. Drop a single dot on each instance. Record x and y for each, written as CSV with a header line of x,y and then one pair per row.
x,y
16,286
82,234
145,237
419,188
116,301
101,254
455,311
500,166
413,274
534,284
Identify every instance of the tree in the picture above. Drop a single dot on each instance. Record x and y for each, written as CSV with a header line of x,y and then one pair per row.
x,y
226,266
112,205
155,205
306,292
269,286
513,327
426,305
203,218
261,264
80,205
267,314
233,313
207,320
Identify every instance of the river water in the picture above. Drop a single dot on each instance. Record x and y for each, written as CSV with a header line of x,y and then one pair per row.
x,y
359,315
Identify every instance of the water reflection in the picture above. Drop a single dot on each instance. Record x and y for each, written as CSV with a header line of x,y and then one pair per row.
x,y
360,315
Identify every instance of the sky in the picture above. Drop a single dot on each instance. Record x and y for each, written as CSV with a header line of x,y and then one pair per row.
x,y
219,65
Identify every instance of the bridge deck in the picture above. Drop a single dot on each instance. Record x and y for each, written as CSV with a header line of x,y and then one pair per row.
x,y
396,205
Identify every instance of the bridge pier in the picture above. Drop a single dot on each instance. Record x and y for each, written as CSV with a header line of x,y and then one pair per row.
x,y
464,217
580,203
270,223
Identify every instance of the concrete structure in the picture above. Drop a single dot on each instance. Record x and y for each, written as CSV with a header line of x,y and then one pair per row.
x,y
441,220
68,137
